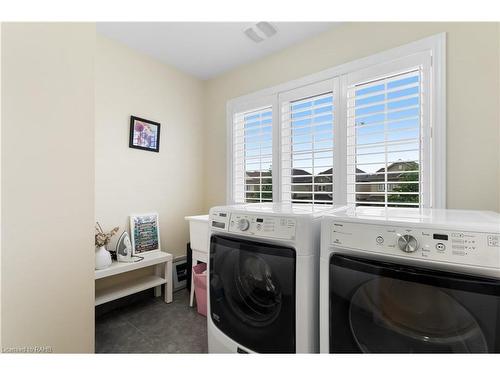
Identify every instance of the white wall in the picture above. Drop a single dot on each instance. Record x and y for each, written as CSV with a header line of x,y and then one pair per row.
x,y
47,186
134,181
472,98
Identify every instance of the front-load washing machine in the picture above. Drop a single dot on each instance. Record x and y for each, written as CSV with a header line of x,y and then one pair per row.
x,y
263,278
410,281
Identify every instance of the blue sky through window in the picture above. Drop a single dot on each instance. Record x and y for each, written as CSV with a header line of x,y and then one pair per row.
x,y
258,141
311,149
312,130
257,130
387,112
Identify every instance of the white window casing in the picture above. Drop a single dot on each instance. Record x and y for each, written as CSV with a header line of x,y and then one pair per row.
x,y
251,148
388,133
424,59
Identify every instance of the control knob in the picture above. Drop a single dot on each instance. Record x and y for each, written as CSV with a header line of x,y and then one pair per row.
x,y
243,224
408,243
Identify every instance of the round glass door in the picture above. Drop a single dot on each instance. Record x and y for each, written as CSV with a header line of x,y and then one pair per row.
x,y
389,315
254,294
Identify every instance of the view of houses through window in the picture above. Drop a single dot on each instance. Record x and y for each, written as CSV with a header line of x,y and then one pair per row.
x,y
402,178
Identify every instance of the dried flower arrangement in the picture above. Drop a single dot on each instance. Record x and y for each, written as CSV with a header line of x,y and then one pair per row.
x,y
101,238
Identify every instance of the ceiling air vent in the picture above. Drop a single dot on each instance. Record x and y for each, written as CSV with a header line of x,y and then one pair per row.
x,y
260,31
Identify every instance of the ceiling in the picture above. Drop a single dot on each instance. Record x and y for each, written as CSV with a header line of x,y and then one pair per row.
x,y
206,49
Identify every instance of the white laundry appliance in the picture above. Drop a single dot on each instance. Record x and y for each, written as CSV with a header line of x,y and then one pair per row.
x,y
263,278
410,280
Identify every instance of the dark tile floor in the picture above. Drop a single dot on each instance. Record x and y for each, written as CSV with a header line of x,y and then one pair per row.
x,y
149,325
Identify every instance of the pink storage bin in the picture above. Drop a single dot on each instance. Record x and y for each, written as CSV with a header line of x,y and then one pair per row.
x,y
200,287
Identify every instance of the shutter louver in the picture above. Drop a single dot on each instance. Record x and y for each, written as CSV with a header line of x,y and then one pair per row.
x,y
307,149
252,153
384,124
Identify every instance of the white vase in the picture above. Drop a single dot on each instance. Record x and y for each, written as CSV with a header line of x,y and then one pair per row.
x,y
102,258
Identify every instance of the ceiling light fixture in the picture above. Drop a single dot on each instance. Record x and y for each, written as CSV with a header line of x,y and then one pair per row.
x,y
260,31
266,28
250,32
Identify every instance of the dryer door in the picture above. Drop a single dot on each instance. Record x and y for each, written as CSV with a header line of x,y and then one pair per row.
x,y
381,307
252,293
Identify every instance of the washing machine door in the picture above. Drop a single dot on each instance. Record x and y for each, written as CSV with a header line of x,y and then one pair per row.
x,y
252,293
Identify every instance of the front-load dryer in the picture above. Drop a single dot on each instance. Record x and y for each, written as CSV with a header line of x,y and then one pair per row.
x,y
410,281
263,278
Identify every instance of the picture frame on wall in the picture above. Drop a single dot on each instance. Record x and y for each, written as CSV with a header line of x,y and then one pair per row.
x,y
144,134
145,233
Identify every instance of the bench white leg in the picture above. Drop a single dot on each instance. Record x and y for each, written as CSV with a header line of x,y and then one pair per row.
x,y
168,285
158,272
191,295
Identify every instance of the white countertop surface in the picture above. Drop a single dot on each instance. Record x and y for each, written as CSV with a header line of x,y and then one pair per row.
x,y
203,218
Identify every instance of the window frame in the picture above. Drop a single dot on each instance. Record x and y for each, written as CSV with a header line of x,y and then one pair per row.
x,y
394,67
244,106
434,45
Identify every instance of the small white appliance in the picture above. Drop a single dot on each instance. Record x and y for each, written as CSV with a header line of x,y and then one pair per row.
x,y
263,278
410,280
124,249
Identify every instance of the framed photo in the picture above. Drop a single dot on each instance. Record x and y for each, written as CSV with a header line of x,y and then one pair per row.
x,y
145,233
144,134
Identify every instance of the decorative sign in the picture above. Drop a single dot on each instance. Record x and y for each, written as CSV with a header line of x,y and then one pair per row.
x,y
145,231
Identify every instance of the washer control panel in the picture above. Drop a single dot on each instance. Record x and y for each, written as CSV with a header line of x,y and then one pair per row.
x,y
262,226
473,248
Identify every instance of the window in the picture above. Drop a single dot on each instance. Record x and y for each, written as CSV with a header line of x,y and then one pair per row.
x,y
367,133
385,118
253,154
307,127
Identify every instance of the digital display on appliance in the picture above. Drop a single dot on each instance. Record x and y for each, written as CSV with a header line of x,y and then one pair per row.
x,y
222,214
259,220
218,224
442,237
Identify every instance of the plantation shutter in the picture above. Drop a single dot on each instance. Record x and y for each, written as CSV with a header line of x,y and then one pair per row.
x,y
307,144
252,156
386,121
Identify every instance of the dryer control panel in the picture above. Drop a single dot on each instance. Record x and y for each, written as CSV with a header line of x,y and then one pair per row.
x,y
472,248
255,225
219,220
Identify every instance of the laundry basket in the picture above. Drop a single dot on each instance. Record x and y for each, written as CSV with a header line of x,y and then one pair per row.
x,y
200,287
